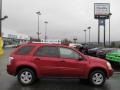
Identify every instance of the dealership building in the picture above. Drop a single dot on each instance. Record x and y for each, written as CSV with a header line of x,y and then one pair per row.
x,y
11,37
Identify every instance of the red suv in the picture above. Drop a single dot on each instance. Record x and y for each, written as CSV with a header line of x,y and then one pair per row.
x,y
32,61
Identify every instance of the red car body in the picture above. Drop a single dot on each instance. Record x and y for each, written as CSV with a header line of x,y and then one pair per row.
x,y
56,66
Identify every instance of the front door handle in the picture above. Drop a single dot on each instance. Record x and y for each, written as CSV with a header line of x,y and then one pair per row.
x,y
37,59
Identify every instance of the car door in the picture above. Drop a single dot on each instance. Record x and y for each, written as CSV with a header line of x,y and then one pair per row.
x,y
72,64
46,58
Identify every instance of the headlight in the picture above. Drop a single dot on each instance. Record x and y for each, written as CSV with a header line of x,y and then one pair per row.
x,y
109,65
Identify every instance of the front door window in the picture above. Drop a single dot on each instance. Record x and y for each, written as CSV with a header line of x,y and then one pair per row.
x,y
68,53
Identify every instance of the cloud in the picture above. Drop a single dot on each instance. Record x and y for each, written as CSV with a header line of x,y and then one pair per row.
x,y
66,18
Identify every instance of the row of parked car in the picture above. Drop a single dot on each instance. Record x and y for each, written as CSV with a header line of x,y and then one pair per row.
x,y
110,54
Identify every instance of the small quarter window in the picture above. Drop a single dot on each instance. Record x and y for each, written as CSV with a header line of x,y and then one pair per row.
x,y
24,50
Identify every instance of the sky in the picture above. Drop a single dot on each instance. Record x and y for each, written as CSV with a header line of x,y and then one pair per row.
x,y
66,18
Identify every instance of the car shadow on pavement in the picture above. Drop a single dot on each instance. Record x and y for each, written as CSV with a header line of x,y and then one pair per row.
x,y
57,84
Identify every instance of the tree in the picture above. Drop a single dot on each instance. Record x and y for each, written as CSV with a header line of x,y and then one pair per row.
x,y
113,44
65,41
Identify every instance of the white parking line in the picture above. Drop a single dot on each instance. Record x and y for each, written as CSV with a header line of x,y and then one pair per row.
x,y
116,72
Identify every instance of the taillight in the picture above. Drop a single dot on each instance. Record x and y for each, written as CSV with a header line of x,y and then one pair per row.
x,y
10,60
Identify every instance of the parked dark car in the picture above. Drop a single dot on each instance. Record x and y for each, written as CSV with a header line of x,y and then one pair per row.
x,y
102,52
32,61
93,51
87,47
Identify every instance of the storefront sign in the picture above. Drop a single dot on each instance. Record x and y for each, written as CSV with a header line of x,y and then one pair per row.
x,y
101,10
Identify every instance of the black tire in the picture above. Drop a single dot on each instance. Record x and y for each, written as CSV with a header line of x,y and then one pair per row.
x,y
26,76
97,78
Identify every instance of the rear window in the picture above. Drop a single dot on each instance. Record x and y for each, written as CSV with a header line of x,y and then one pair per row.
x,y
24,50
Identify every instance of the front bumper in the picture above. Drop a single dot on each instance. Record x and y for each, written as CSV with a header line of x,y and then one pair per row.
x,y
110,73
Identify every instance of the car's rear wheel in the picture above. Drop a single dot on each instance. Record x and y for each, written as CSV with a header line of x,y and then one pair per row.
x,y
26,76
97,78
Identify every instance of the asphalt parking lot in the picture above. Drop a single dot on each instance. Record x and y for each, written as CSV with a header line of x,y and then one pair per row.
x,y
8,82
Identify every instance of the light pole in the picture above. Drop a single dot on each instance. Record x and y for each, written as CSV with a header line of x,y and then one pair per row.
x,y
109,28
0,24
1,41
85,35
46,22
89,33
1,17
75,39
38,33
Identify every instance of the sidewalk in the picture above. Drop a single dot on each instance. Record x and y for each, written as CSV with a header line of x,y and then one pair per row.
x,y
10,46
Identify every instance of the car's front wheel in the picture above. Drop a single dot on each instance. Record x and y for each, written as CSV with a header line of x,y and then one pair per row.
x,y
26,76
97,78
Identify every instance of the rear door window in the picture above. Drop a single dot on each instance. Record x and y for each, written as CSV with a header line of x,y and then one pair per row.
x,y
47,51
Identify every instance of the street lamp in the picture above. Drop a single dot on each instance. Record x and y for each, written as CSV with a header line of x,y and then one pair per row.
x,y
109,27
85,35
46,30
0,23
89,33
1,41
3,18
75,39
38,33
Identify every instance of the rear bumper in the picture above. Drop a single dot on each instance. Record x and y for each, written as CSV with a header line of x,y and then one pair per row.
x,y
11,70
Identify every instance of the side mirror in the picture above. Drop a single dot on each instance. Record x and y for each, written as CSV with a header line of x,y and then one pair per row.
x,y
80,58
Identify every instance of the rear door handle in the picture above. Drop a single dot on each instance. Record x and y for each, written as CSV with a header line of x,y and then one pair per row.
x,y
62,61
